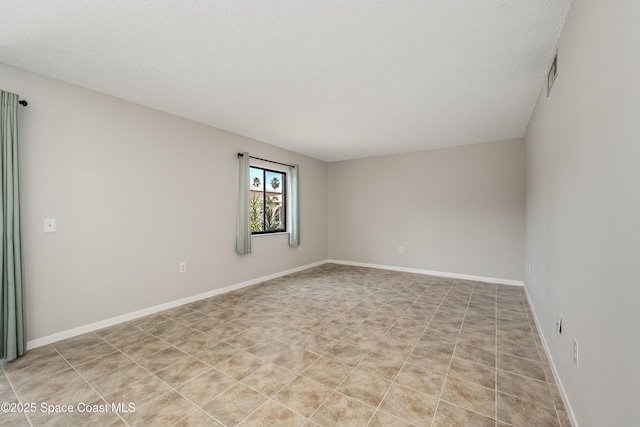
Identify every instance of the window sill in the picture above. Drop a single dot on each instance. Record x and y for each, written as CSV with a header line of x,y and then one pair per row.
x,y
270,234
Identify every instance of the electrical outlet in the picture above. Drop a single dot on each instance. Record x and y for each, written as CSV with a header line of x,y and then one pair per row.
x,y
559,325
183,267
575,352
400,250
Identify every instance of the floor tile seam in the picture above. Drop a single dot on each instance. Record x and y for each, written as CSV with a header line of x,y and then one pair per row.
x,y
189,414
270,399
515,355
457,405
390,414
15,393
53,345
335,389
526,399
14,386
406,358
201,407
97,392
469,382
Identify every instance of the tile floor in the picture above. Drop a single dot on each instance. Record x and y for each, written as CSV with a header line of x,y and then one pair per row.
x,y
329,346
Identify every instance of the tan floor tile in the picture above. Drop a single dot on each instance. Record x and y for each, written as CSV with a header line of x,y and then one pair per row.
x,y
137,336
365,387
14,420
473,372
179,335
525,388
433,360
118,378
102,365
198,418
269,349
240,365
295,359
382,419
565,421
30,358
138,392
117,330
421,379
483,356
165,410
381,365
449,415
197,343
207,386
43,368
487,341
224,332
88,354
345,353
162,359
182,371
436,343
147,321
518,365
76,418
269,379
140,349
470,396
340,410
64,387
303,395
409,405
327,372
392,347
557,398
234,404
245,339
70,345
523,412
273,414
521,337
217,354
518,349
315,343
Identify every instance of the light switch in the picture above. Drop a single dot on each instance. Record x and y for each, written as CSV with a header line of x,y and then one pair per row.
x,y
49,225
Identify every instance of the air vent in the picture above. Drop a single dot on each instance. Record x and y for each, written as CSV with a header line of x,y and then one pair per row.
x,y
553,73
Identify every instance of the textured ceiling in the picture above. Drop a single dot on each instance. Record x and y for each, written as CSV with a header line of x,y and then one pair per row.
x,y
332,79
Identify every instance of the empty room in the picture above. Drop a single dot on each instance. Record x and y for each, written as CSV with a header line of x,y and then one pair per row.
x,y
320,213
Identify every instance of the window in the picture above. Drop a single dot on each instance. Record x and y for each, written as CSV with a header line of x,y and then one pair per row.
x,y
267,207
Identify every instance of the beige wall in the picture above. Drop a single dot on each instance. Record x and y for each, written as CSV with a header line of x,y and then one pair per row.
x,y
583,211
134,192
457,210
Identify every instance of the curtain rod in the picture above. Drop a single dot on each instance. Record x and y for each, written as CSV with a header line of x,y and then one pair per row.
x,y
265,160
23,102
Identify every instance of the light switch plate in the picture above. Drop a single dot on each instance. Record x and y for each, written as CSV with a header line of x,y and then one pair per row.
x,y
49,225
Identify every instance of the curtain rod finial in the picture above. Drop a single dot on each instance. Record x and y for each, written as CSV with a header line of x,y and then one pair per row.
x,y
23,102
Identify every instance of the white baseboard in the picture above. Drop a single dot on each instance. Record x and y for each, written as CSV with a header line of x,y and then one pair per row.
x,y
431,273
39,342
561,389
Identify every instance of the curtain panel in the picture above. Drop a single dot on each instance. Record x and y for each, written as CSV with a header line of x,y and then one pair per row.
x,y
243,232
12,314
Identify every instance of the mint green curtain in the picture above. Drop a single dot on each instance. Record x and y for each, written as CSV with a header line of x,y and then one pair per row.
x,y
12,324
243,232
294,233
